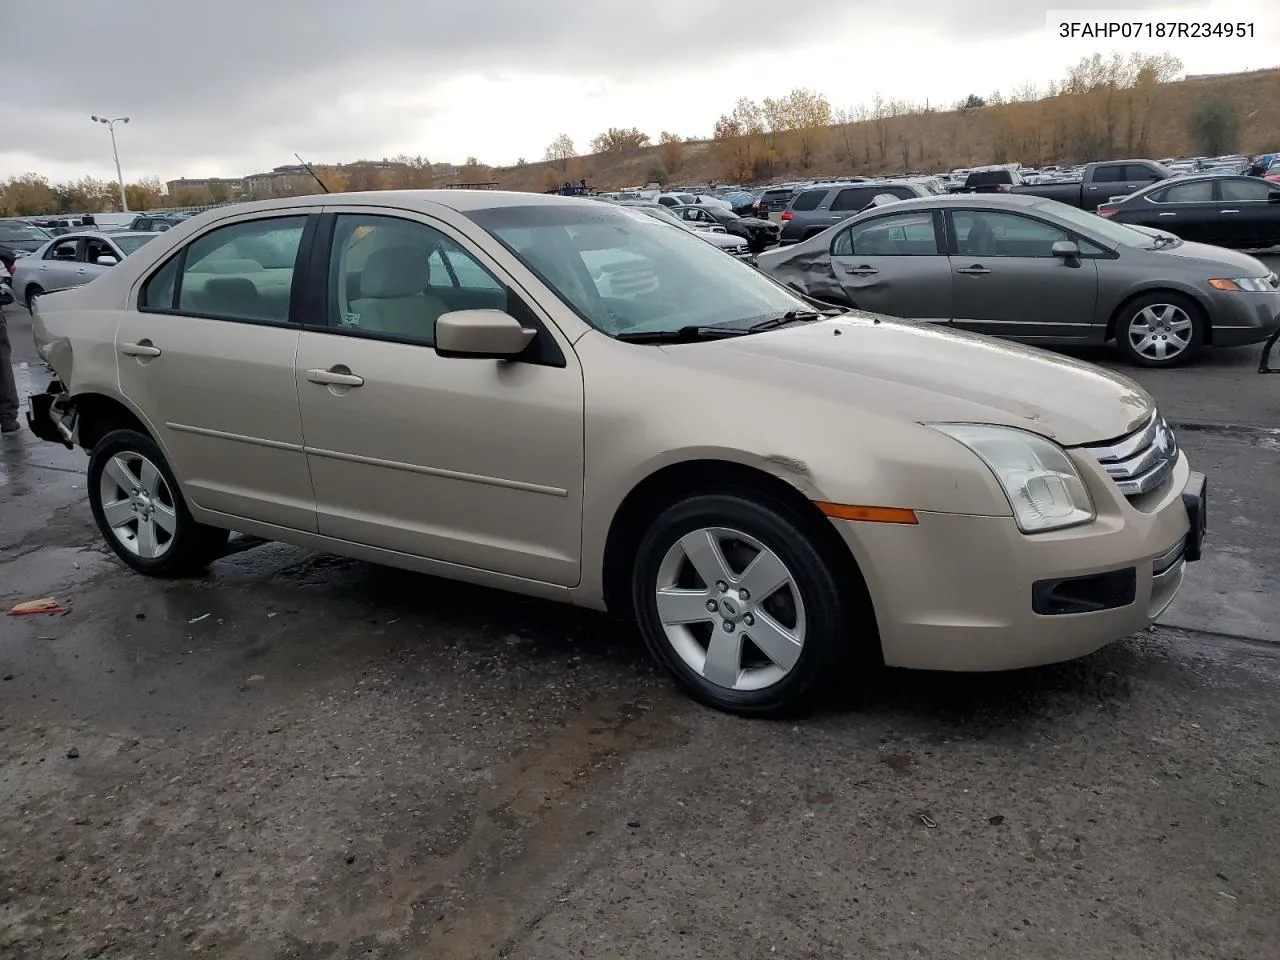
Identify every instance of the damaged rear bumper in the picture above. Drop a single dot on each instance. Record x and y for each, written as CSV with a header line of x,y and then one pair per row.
x,y
51,416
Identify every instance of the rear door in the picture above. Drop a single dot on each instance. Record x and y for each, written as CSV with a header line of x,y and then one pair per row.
x,y
206,355
1007,282
1247,219
895,265
1109,180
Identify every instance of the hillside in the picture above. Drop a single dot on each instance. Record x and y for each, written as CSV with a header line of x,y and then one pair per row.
x,y
1154,120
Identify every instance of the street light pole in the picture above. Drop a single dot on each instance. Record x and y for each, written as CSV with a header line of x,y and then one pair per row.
x,y
111,125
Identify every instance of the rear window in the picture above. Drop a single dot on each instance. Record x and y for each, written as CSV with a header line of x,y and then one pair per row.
x,y
809,200
775,194
985,178
1109,173
855,198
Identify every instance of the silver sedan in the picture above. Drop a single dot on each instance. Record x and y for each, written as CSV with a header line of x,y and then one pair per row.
x,y
1036,271
72,259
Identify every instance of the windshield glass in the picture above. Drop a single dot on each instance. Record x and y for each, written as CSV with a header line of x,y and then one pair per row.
x,y
129,244
1096,227
623,274
16,232
659,212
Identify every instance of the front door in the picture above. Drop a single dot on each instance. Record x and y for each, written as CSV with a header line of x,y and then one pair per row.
x,y
1005,280
207,356
1187,210
894,265
59,267
477,463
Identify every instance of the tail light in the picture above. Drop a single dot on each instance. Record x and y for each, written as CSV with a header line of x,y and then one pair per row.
x,y
1106,211
786,215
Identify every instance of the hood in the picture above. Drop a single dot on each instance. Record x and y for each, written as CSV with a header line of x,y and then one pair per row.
x,y
725,240
922,372
1219,258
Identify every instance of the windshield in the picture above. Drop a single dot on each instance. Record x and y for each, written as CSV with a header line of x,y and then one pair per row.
x,y
1096,227
659,212
624,275
128,245
13,232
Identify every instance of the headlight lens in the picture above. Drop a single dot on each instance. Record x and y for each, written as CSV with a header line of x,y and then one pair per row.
x,y
1248,284
1042,484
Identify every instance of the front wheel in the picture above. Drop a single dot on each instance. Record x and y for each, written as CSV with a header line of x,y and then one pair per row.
x,y
741,600
33,291
1160,330
139,508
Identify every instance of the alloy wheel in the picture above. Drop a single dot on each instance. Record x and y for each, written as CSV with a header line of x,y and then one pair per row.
x,y
1160,332
730,608
138,505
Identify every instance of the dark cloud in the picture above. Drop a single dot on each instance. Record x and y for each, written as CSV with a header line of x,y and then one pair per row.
x,y
229,81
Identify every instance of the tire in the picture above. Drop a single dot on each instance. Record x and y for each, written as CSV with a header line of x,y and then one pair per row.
x,y
33,291
121,459
1171,319
766,676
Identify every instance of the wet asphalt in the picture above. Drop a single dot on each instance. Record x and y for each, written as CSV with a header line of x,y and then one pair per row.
x,y
301,756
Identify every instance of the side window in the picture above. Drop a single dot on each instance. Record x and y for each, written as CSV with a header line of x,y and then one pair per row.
x,y
64,250
808,200
1137,173
93,249
982,233
397,277
901,235
1109,173
902,193
1235,191
243,271
1199,191
853,198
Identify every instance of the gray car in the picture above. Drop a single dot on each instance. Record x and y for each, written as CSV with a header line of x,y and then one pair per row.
x,y
1037,271
71,260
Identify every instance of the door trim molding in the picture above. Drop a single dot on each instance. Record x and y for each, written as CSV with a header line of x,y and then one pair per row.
x,y
238,437
439,472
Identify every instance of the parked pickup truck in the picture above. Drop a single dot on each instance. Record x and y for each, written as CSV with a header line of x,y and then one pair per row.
x,y
1101,182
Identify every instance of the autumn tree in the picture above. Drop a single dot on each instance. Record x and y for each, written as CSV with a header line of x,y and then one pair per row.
x,y
560,151
1214,126
549,179
410,173
618,139
147,194
739,140
363,176
473,171
670,151
88,195
847,135
192,197
809,116
28,195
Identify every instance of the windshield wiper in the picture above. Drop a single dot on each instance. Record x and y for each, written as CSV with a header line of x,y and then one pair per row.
x,y
689,334
791,316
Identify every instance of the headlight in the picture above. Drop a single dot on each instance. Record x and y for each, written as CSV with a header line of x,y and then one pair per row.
x,y
1247,284
1042,484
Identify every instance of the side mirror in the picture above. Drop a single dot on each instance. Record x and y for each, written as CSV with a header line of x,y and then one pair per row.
x,y
1067,251
106,260
481,335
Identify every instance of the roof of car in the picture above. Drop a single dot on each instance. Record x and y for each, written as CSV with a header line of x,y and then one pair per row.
x,y
462,201
105,235
993,201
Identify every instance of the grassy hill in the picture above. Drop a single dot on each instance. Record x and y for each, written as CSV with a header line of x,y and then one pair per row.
x,y
1179,118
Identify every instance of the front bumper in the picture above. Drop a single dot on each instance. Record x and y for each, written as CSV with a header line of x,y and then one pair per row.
x,y
50,417
959,592
1240,319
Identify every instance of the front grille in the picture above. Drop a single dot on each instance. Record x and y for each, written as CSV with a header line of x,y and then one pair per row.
x,y
1140,461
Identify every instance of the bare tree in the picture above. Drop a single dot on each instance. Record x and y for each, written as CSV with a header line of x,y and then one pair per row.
x,y
560,151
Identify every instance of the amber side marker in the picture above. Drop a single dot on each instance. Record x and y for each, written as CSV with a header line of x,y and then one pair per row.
x,y
844,511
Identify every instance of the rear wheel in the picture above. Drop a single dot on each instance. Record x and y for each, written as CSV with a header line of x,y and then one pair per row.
x,y
738,597
140,510
1161,330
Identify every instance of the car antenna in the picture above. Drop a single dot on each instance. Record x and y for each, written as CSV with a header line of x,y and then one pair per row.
x,y
313,174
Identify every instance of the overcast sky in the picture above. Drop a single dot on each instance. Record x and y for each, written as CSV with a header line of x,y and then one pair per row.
x,y
237,86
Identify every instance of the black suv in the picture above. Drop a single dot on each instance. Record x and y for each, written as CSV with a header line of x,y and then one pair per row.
x,y
819,207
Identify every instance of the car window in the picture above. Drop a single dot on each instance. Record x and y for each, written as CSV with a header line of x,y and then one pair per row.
x,y
243,271
11,232
130,245
808,200
901,235
93,249
985,233
626,274
1109,173
1199,191
395,278
1136,172
1246,190
854,198
63,250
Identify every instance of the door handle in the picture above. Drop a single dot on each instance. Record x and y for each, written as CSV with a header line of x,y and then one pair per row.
x,y
1168,214
1228,211
862,271
143,348
337,376
973,271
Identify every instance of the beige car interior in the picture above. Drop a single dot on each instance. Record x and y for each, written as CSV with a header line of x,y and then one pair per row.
x,y
393,298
